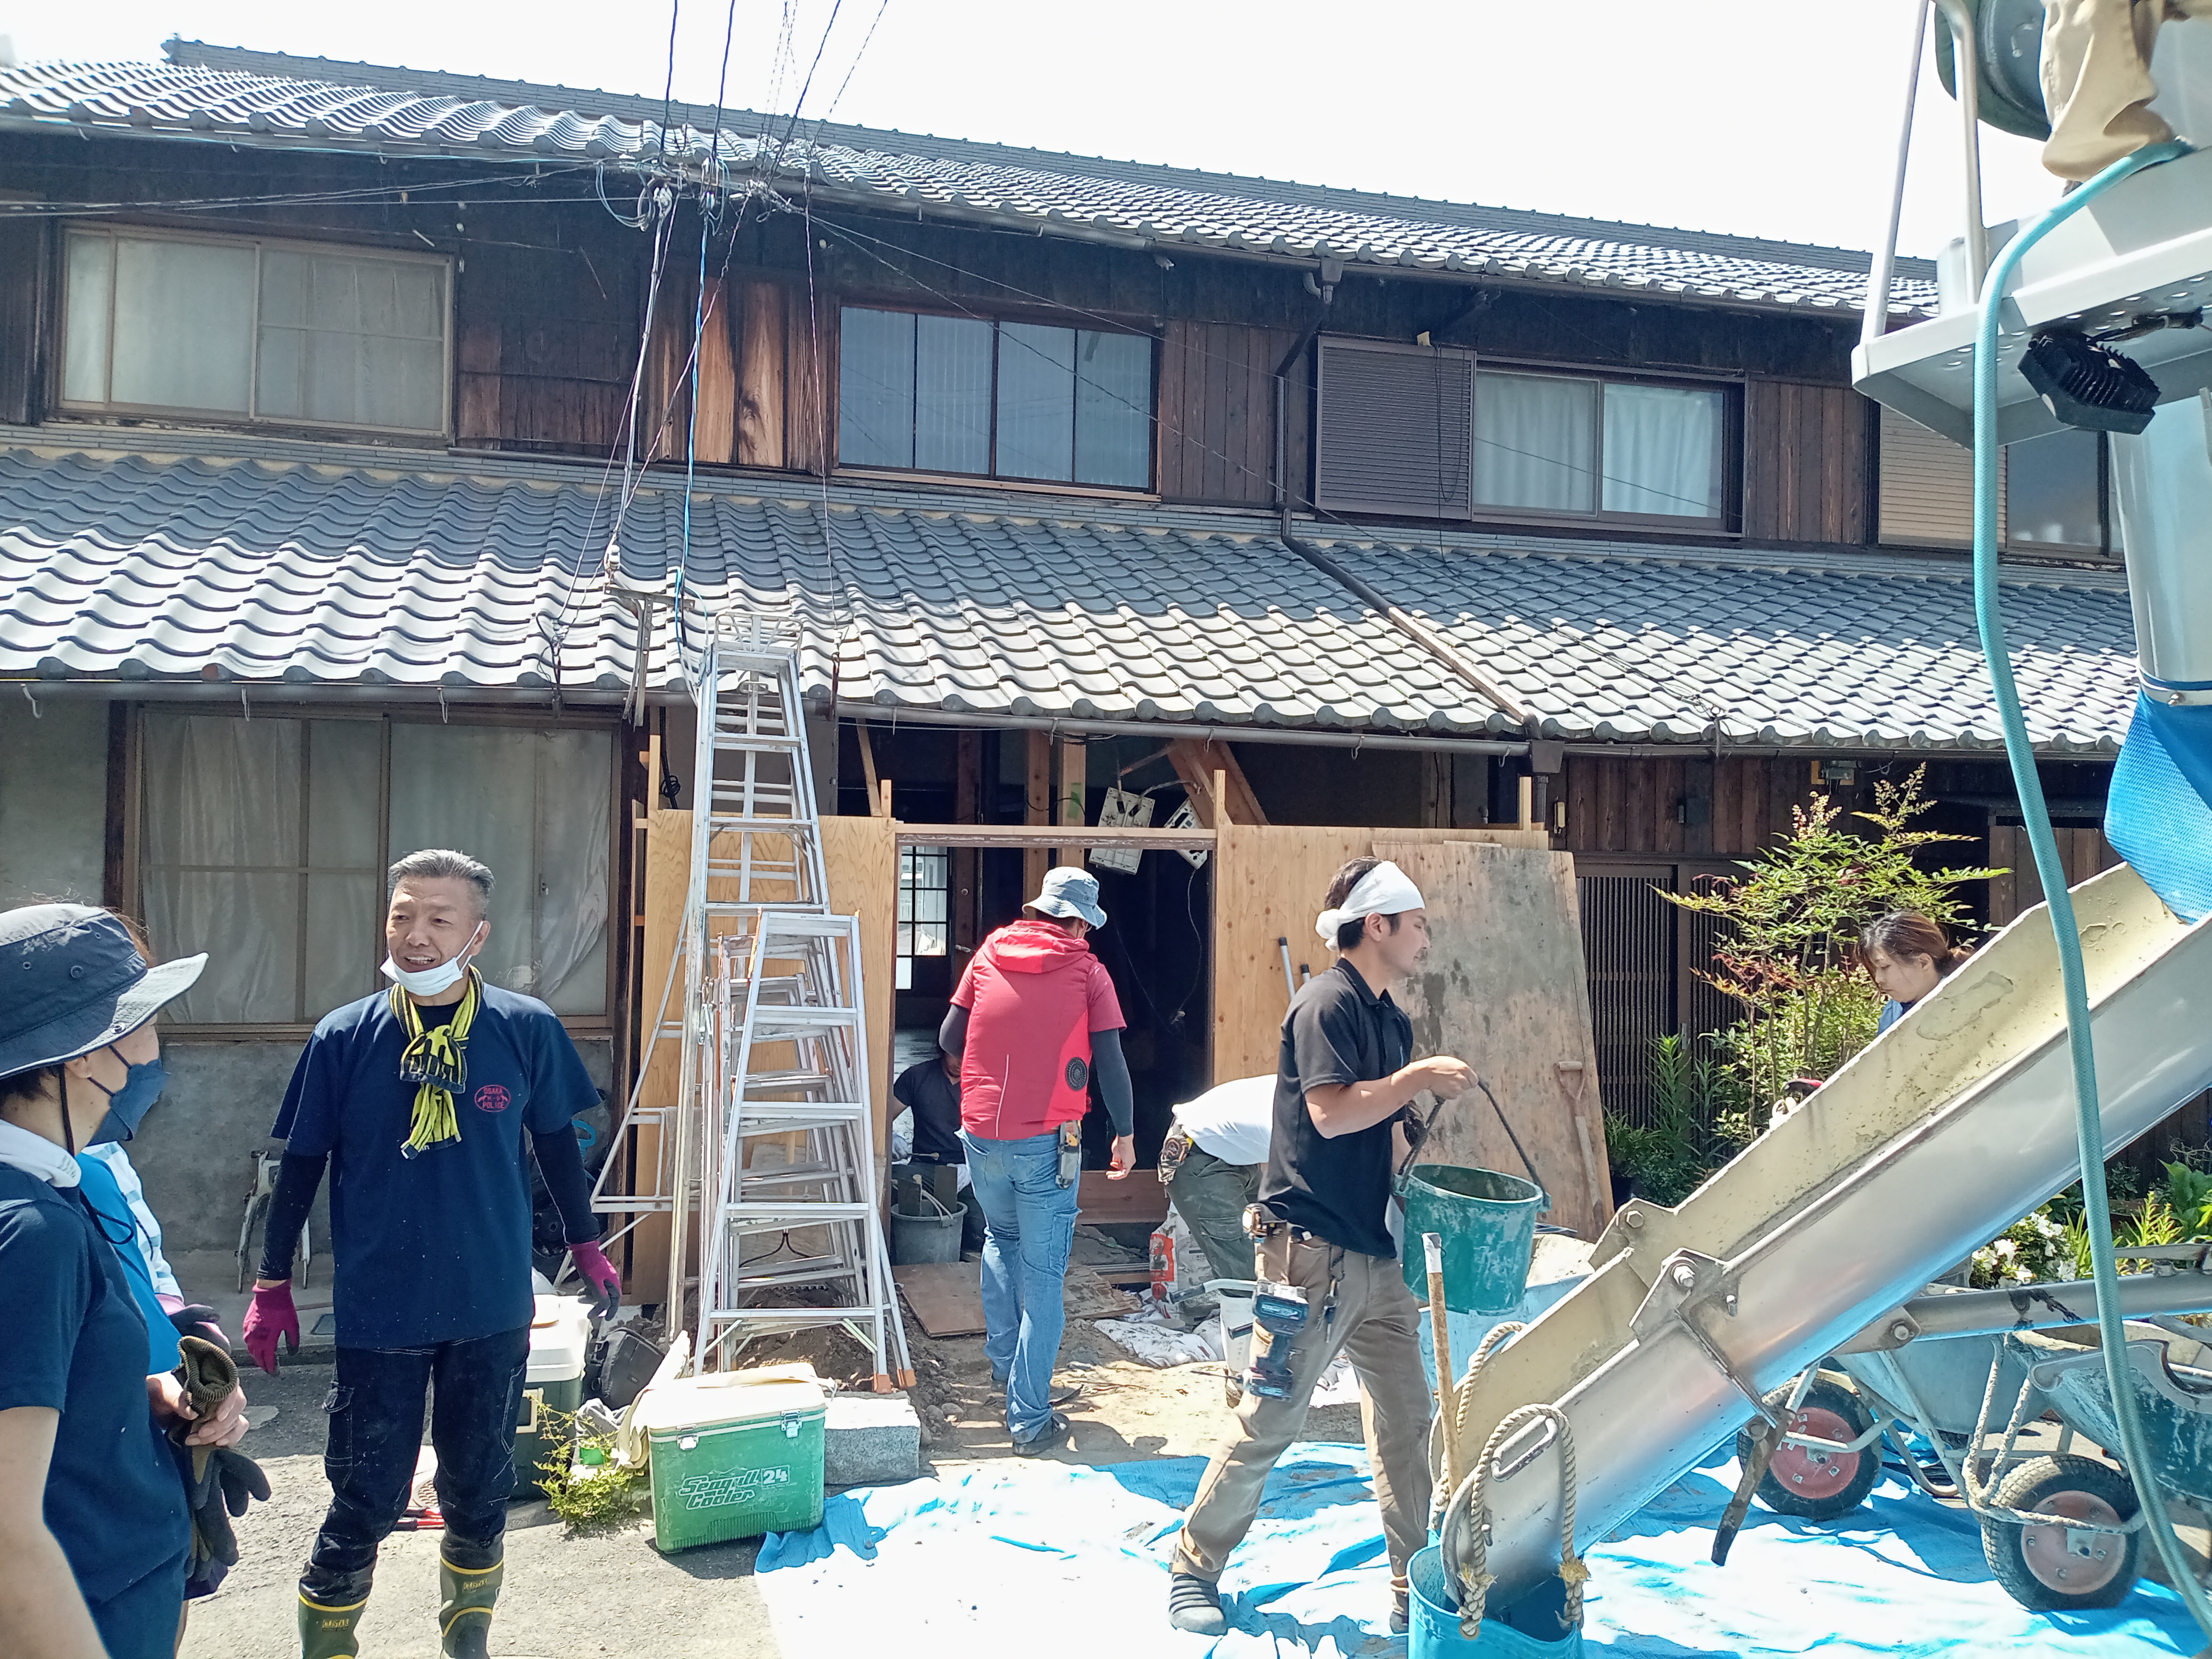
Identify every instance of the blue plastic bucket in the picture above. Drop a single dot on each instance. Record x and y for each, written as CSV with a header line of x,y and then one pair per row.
x,y
1434,1633
1488,1223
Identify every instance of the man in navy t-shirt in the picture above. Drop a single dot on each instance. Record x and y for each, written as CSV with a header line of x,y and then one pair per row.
x,y
418,1099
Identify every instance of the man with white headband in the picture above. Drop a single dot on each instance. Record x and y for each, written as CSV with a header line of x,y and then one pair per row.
x,y
418,1098
1345,1078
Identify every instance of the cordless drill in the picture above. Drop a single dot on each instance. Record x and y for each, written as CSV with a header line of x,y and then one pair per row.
x,y
1281,1311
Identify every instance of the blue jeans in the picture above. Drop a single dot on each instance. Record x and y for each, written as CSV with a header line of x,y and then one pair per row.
x,y
375,1411
1028,1226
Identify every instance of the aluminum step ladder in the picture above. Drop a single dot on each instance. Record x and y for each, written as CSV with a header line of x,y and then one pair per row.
x,y
756,853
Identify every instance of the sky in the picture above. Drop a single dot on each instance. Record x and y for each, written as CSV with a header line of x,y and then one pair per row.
x,y
1765,117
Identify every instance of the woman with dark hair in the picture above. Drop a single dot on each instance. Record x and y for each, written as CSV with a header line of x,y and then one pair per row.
x,y
1906,955
95,1532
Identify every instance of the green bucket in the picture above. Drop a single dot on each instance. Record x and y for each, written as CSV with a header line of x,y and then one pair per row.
x,y
1488,1224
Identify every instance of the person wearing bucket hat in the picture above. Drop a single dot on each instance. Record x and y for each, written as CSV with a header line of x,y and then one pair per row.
x,y
95,1533
1033,1020
418,1100
1346,1079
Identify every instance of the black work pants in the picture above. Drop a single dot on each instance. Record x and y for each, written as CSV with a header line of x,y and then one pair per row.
x,y
376,1410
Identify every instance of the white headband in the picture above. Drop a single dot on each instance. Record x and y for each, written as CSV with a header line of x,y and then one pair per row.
x,y
1383,891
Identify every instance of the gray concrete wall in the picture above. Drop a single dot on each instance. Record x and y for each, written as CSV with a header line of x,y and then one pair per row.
x,y
194,1148
53,799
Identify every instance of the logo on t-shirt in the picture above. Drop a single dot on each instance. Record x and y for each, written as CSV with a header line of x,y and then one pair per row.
x,y
1077,1072
492,1098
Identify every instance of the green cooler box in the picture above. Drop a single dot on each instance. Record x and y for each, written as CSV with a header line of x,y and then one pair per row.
x,y
560,1339
733,1459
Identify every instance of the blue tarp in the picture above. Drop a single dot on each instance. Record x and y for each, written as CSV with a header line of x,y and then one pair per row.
x,y
1072,1560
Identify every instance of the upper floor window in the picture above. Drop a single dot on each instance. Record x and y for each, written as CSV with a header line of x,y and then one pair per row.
x,y
2055,498
1007,400
243,328
1420,430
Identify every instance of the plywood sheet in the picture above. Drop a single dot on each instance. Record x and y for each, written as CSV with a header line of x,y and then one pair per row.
x,y
1268,882
861,858
1504,987
1138,1196
946,1298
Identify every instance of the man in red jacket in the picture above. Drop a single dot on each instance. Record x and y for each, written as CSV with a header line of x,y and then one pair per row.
x,y
1034,1017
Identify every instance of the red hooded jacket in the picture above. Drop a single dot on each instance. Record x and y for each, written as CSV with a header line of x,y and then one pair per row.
x,y
1034,996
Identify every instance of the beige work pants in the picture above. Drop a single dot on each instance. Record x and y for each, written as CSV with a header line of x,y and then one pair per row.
x,y
1376,1322
2096,79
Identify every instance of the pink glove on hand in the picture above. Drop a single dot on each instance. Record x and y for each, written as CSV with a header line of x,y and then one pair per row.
x,y
599,1273
272,1316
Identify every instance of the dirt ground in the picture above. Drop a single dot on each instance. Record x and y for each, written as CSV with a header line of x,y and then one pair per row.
x,y
613,1593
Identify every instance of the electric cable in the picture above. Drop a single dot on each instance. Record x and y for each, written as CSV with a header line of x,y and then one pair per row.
x,y
2089,1129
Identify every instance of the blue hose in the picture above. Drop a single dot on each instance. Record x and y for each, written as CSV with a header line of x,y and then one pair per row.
x,y
2089,1127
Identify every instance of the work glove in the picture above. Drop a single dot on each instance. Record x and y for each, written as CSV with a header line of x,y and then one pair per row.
x,y
218,1481
197,1319
272,1316
599,1273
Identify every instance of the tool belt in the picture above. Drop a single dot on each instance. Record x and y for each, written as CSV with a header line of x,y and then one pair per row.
x,y
1261,1222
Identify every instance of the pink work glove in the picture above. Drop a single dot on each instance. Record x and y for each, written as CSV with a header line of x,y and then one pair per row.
x,y
272,1316
599,1273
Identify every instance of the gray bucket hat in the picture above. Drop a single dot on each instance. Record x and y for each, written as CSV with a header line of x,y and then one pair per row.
x,y
1069,891
71,981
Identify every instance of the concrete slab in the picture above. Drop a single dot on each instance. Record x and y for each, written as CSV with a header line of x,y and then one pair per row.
x,y
869,1440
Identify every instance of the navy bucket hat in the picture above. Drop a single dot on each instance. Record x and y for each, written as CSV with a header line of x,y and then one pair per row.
x,y
71,981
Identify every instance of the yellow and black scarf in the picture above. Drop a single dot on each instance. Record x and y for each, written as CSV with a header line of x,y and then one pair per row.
x,y
437,1057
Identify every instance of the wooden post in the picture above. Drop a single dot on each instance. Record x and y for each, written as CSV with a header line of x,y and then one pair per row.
x,y
876,809
967,789
1069,800
1036,809
1527,801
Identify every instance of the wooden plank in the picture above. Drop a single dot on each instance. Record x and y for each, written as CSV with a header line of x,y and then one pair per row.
x,y
1195,762
1504,988
1167,424
967,792
861,856
1138,1197
760,439
1069,797
868,770
1268,882
716,439
806,413
946,1298
668,876
1047,837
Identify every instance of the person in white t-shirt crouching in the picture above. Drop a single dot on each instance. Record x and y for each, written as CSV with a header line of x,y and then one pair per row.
x,y
1222,1138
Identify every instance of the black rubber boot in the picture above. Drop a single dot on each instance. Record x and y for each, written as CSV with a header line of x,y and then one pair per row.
x,y
329,1613
466,1598
1194,1605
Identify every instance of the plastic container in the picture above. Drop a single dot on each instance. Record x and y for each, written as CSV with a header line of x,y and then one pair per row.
x,y
1434,1633
1488,1223
931,1235
560,1341
1235,1296
732,1458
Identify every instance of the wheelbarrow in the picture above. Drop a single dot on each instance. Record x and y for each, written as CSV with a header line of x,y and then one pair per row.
x,y
2059,1530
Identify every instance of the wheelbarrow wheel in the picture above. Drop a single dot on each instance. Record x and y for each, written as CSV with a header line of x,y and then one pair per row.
x,y
1811,1484
2049,1568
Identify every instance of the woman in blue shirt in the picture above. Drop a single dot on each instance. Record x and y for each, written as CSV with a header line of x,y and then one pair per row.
x,y
94,1529
1907,955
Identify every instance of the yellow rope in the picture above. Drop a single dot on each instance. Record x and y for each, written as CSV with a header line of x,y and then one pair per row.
x,y
437,1057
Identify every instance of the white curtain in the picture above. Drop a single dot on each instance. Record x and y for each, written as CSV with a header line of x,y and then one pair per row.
x,y
1663,451
535,807
222,807
1535,442
358,342
952,394
184,325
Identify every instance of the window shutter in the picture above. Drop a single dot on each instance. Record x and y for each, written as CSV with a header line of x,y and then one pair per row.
x,y
1926,487
1396,429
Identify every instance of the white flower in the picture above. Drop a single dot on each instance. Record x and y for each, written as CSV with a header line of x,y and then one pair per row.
x,y
2066,1271
2023,1275
2005,1247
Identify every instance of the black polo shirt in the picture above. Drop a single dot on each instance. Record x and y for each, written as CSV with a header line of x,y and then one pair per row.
x,y
934,1099
1338,1031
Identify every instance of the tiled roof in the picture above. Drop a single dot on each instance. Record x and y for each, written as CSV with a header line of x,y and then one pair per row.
x,y
268,98
262,561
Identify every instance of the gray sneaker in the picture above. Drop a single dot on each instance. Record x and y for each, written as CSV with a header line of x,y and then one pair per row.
x,y
1194,1605
1049,1438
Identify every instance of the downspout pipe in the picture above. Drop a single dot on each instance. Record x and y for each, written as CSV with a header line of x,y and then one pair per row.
x,y
1332,273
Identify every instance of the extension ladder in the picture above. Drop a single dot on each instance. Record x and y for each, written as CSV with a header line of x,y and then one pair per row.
x,y
757,894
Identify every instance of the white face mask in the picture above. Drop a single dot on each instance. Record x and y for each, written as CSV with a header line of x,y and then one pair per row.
x,y
434,981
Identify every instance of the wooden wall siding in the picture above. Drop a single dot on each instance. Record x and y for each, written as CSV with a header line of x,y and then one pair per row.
x,y
760,323
1217,413
25,257
545,343
1632,805
2084,853
1805,473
